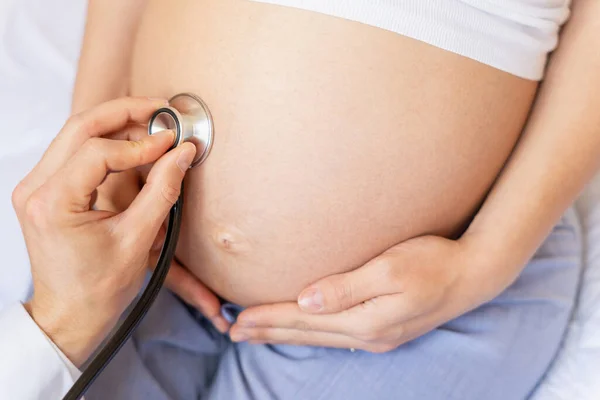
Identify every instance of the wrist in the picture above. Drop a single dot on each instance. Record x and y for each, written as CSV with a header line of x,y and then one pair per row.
x,y
75,333
490,265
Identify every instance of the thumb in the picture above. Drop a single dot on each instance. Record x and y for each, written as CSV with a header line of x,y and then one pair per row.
x,y
339,292
149,209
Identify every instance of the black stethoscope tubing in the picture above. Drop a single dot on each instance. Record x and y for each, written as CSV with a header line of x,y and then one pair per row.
x,y
141,307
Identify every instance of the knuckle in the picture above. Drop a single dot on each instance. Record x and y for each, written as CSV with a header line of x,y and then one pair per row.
x,y
94,146
85,122
18,197
260,334
125,101
36,210
300,337
302,326
390,273
343,293
75,121
367,336
137,150
135,145
129,251
380,348
370,332
415,304
170,193
143,150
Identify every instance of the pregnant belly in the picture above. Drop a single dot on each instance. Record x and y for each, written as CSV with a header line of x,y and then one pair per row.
x,y
334,140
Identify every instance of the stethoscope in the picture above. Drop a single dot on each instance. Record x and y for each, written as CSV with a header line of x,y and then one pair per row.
x,y
188,116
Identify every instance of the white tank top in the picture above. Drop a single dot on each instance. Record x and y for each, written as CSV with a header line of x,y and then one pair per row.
x,y
515,36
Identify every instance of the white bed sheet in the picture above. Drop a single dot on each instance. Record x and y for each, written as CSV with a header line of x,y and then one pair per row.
x,y
39,42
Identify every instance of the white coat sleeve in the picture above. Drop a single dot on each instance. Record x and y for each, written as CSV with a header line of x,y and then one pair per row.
x,y
31,366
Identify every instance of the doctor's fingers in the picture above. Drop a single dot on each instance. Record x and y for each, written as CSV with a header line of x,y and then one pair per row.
x,y
101,120
118,190
71,188
142,220
189,288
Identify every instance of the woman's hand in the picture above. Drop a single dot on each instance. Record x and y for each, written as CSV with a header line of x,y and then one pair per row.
x,y
88,265
407,291
116,194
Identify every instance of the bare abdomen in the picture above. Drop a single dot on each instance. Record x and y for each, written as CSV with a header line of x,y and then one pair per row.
x,y
334,140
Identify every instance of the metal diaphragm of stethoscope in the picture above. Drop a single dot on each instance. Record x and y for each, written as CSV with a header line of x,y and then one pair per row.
x,y
188,116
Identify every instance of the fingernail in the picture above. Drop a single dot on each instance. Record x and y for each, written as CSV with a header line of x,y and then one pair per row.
x,y
311,300
185,160
240,337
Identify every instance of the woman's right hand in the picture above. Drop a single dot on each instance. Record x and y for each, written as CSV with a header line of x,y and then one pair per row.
x,y
116,194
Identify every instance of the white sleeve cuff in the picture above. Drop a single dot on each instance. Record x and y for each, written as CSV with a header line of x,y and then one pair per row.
x,y
73,370
32,366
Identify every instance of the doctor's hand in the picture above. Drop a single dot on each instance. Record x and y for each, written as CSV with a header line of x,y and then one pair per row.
x,y
116,193
87,265
407,291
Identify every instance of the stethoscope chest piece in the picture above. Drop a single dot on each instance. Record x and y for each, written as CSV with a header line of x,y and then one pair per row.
x,y
188,116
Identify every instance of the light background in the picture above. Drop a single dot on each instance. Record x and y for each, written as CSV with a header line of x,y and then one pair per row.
x,y
4,6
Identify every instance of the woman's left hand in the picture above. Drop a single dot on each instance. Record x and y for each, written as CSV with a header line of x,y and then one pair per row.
x,y
407,291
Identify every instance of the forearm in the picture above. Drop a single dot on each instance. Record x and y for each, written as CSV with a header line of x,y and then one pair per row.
x,y
104,64
558,153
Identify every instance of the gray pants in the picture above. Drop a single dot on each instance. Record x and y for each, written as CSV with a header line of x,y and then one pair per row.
x,y
499,351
